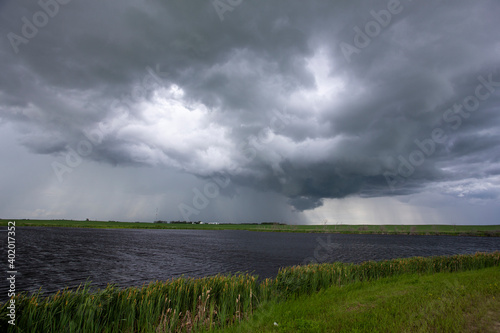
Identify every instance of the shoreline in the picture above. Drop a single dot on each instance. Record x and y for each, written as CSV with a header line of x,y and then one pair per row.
x,y
422,230
220,301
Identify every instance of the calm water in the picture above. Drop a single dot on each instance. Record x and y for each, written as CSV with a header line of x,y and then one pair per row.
x,y
54,258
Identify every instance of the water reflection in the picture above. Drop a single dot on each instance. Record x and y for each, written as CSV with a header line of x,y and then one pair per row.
x,y
53,258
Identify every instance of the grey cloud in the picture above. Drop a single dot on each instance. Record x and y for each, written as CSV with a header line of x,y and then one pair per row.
x,y
85,68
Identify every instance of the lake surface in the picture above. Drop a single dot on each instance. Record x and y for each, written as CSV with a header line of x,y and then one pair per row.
x,y
54,258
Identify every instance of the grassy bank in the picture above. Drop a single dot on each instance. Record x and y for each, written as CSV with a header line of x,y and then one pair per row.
x,y
212,302
442,302
460,230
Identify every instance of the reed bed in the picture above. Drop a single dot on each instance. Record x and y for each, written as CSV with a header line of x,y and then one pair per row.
x,y
299,280
203,304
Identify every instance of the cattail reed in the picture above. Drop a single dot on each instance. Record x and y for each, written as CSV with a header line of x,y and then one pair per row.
x,y
189,304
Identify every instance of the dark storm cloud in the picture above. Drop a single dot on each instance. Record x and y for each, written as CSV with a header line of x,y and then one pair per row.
x,y
269,94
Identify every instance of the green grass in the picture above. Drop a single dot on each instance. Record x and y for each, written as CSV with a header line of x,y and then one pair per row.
x,y
442,302
469,230
221,301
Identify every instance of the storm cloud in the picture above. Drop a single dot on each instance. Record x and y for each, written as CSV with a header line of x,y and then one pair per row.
x,y
305,101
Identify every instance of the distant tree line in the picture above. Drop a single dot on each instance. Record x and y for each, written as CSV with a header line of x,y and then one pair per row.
x,y
200,222
179,222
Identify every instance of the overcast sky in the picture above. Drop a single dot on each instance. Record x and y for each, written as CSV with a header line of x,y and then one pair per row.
x,y
249,111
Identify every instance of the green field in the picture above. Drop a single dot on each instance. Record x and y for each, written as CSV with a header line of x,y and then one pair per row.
x,y
443,302
458,293
468,230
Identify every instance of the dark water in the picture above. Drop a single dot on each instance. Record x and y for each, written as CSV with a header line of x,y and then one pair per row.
x,y
54,258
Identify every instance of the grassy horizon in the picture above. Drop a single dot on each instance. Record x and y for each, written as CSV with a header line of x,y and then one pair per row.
x,y
424,229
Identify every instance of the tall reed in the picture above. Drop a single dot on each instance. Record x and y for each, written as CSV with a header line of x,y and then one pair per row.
x,y
189,304
298,280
